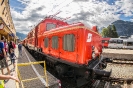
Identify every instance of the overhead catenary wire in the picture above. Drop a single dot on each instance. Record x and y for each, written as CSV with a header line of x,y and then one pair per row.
x,y
59,10
58,5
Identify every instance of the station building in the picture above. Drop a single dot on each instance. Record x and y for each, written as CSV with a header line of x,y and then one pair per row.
x,y
7,28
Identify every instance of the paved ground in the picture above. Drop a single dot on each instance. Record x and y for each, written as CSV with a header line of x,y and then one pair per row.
x,y
11,83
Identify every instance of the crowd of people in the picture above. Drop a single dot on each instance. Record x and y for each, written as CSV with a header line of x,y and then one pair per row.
x,y
7,50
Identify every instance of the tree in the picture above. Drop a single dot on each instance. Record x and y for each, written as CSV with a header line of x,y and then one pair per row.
x,y
104,32
115,34
110,32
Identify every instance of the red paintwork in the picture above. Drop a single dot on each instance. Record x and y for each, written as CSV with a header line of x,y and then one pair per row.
x,y
85,38
105,42
42,28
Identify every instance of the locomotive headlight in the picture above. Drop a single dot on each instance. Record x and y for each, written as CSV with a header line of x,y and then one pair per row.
x,y
93,55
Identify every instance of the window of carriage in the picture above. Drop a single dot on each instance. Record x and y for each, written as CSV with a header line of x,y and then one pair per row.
x,y
55,42
103,41
113,41
129,43
69,42
46,42
119,41
50,26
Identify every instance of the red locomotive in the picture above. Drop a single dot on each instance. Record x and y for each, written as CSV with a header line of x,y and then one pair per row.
x,y
71,49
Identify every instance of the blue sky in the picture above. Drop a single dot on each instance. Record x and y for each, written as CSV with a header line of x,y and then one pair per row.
x,y
27,13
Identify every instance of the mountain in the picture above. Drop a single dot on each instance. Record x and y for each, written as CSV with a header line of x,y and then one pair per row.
x,y
123,28
21,36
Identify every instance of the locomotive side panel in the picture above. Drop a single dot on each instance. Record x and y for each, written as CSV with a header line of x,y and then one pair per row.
x,y
82,49
36,36
55,46
41,29
45,45
68,49
91,44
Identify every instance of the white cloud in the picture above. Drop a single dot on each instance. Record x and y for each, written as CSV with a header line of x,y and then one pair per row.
x,y
125,6
90,12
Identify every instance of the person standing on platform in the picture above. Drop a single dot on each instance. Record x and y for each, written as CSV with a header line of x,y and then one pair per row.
x,y
20,48
14,45
10,46
3,57
13,57
6,46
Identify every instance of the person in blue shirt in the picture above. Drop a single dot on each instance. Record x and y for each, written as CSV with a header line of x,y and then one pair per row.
x,y
20,48
3,57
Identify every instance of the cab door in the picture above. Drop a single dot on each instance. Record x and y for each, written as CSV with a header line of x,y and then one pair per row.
x,y
68,50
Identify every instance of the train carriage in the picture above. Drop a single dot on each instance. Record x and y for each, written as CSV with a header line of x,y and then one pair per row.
x,y
115,43
128,43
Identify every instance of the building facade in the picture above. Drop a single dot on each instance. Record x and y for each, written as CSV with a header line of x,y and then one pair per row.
x,y
7,28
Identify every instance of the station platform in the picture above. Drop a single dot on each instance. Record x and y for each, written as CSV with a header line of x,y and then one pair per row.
x,y
118,53
11,83
50,82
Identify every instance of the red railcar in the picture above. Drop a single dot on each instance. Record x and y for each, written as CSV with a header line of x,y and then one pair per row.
x,y
105,42
69,48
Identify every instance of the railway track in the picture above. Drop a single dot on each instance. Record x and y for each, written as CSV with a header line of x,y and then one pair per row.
x,y
33,71
121,76
121,65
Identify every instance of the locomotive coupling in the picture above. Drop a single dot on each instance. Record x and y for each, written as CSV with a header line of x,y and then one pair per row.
x,y
101,73
107,60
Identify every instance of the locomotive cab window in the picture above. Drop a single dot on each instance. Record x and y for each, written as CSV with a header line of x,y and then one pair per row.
x,y
69,42
55,42
50,26
46,42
